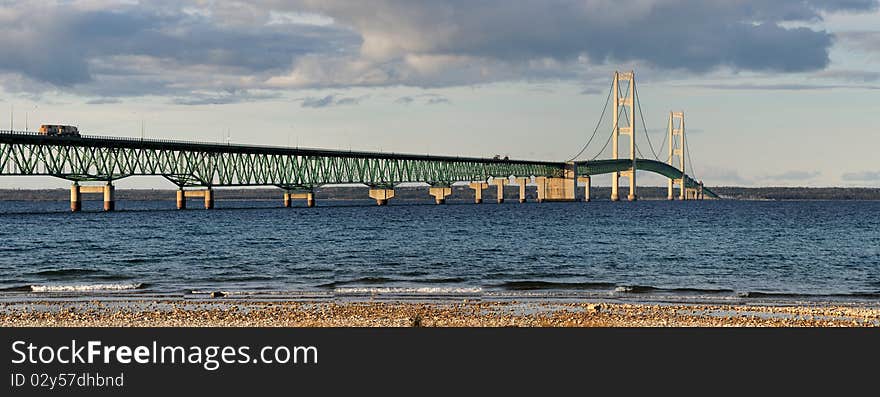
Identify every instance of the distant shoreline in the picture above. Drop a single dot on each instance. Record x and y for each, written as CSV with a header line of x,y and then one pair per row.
x,y
458,192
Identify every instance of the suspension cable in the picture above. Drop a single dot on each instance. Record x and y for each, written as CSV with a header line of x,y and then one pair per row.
x,y
690,162
601,117
662,145
604,146
644,125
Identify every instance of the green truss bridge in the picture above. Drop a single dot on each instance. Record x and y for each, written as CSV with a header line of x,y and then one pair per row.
x,y
199,167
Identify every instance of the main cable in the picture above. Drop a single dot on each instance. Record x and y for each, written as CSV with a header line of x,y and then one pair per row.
x,y
601,117
644,125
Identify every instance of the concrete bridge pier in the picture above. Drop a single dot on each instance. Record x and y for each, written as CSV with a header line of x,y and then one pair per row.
x,y
307,195
76,192
440,193
522,182
381,195
478,190
109,193
75,203
181,199
500,182
631,174
586,181
555,189
209,199
615,186
206,194
670,189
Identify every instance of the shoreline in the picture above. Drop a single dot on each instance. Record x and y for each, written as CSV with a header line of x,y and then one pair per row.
x,y
397,313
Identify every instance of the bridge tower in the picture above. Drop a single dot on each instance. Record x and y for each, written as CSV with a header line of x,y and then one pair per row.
x,y
676,148
625,105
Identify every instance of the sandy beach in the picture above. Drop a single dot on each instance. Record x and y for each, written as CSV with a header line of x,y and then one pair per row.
x,y
463,313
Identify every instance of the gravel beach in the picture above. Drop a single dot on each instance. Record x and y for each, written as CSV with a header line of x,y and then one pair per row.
x,y
462,313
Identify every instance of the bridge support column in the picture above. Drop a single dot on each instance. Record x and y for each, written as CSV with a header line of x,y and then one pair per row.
x,y
381,195
77,190
615,186
522,182
440,193
478,190
500,182
307,195
181,199
209,199
586,181
206,194
109,193
555,189
75,200
631,174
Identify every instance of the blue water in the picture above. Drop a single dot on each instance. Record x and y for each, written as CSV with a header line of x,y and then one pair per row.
x,y
648,250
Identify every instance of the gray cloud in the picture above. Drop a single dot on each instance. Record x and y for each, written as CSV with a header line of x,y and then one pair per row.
x,y
784,86
162,49
404,100
724,176
438,101
188,50
793,176
103,101
223,98
852,76
330,100
870,176
866,40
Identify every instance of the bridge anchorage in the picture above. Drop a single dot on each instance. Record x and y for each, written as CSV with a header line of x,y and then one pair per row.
x,y
199,167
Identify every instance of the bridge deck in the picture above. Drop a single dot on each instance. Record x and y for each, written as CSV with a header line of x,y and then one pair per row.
x,y
104,158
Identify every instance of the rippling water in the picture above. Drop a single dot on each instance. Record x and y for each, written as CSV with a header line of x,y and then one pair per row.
x,y
648,250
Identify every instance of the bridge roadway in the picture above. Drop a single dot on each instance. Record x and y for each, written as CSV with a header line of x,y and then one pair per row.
x,y
296,170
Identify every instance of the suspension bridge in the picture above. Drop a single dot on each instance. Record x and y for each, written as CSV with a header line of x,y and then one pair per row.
x,y
93,163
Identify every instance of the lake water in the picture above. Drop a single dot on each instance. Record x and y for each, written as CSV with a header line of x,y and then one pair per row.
x,y
701,251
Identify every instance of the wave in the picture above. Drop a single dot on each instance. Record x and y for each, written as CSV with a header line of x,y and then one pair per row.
x,y
87,287
20,288
386,280
239,278
410,290
362,280
635,289
794,295
527,285
645,289
64,272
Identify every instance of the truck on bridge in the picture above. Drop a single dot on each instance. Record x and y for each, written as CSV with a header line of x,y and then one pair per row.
x,y
59,130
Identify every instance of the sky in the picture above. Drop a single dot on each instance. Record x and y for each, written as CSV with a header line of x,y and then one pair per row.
x,y
775,93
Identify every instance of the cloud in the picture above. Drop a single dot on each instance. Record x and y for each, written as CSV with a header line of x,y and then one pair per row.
x,y
223,98
191,49
163,48
103,101
724,176
852,76
428,99
330,100
793,176
865,40
438,101
785,86
870,176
